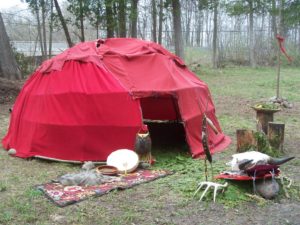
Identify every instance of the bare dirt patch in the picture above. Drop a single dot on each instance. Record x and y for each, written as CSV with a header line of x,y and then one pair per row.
x,y
9,90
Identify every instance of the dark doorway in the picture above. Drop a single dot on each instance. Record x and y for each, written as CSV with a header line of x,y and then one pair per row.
x,y
162,116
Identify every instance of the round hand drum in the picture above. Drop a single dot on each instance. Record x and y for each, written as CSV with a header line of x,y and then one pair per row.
x,y
124,160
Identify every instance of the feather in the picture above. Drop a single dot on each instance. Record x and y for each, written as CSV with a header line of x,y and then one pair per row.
x,y
205,140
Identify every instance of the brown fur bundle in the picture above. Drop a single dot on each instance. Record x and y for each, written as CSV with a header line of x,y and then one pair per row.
x,y
143,146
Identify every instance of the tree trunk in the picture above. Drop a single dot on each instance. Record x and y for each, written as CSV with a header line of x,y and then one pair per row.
x,y
251,34
134,16
176,11
63,23
110,25
160,21
188,14
8,65
122,18
299,39
198,29
154,15
274,27
115,16
207,28
215,35
98,18
43,4
39,28
82,38
273,20
50,29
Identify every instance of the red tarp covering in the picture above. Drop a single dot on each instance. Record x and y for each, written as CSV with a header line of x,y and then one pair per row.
x,y
86,102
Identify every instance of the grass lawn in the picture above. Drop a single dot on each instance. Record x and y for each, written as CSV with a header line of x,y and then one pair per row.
x,y
169,200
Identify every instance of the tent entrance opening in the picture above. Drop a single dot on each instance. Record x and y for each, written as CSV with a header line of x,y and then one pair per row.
x,y
161,114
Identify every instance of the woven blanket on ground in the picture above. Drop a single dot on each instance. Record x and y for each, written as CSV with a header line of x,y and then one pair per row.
x,y
66,195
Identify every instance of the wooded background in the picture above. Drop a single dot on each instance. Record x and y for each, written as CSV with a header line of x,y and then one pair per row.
x,y
237,32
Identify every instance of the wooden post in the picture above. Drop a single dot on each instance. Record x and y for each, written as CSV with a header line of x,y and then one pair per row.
x,y
264,117
245,140
276,135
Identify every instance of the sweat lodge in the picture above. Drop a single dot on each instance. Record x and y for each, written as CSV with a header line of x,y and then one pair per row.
x,y
94,98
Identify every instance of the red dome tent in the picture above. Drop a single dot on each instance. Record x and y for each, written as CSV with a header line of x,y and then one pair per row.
x,y
91,100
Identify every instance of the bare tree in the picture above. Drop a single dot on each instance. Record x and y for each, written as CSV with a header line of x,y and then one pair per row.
x,y
43,7
160,20
251,33
122,17
176,12
154,20
63,23
96,14
133,17
188,9
81,20
50,28
8,65
36,9
80,11
110,24
215,34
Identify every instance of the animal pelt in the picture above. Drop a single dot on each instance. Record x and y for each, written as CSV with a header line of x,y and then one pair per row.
x,y
143,143
88,165
85,178
248,160
143,147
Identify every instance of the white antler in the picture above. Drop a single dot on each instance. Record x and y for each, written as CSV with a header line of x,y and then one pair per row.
x,y
209,184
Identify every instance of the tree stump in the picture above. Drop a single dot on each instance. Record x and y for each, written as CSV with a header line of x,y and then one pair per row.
x,y
264,116
276,135
245,140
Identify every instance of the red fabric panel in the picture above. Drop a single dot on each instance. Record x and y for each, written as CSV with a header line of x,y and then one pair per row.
x,y
130,48
192,105
83,52
159,108
141,77
79,114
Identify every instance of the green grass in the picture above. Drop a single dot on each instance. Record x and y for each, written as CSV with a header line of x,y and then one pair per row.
x,y
234,90
259,83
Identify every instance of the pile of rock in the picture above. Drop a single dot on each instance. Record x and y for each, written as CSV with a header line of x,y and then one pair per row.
x,y
281,102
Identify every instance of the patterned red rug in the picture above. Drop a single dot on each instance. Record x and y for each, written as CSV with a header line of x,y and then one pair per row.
x,y
67,195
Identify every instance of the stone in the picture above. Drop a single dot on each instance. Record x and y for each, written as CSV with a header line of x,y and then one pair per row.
x,y
268,188
12,151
